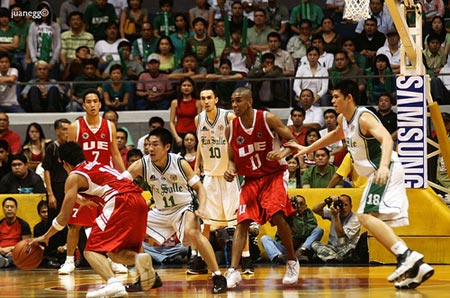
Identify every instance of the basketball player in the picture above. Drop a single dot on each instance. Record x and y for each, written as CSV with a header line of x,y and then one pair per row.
x,y
119,230
97,137
172,183
384,199
222,197
254,152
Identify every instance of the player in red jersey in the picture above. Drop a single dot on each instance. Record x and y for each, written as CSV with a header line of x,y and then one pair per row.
x,y
97,137
254,151
118,231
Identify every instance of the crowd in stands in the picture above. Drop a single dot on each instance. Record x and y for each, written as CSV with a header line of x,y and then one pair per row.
x,y
140,60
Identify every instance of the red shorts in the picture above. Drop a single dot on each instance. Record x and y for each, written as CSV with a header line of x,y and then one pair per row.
x,y
122,225
262,197
85,216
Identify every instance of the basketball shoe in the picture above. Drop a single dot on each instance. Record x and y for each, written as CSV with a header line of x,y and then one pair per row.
x,y
405,262
118,268
415,277
147,276
220,284
113,288
233,278
247,265
292,272
196,265
67,268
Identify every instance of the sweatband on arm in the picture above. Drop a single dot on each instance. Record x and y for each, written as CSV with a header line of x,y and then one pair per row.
x,y
193,180
56,225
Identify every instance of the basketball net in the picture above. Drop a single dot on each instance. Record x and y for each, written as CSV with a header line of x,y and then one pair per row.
x,y
356,10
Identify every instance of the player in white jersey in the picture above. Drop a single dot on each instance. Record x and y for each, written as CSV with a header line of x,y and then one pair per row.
x,y
384,202
172,183
212,157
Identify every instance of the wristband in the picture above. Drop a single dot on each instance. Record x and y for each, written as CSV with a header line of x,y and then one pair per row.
x,y
127,175
56,225
193,180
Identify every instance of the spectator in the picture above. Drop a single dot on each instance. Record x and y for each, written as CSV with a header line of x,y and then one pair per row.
x,y
344,229
10,39
160,27
379,12
294,172
278,19
13,229
132,67
440,86
55,250
341,70
304,232
144,45
20,25
225,82
96,17
242,58
438,27
34,145
335,8
200,44
434,56
170,252
5,162
442,172
74,38
75,67
382,80
306,10
355,58
69,7
168,61
107,49
131,19
258,35
432,9
8,78
336,149
299,44
369,40
297,128
313,114
347,175
21,179
387,116
308,160
311,74
222,9
116,93
153,89
119,6
332,41
202,10
237,18
54,173
121,138
133,155
44,41
320,174
326,60
153,122
88,80
392,50
181,35
189,148
113,116
267,92
13,138
40,95
283,58
190,68
183,111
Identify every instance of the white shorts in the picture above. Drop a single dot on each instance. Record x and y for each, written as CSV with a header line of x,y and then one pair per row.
x,y
163,223
389,201
223,201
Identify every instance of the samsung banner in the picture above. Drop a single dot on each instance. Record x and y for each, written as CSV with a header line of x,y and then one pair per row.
x,y
412,129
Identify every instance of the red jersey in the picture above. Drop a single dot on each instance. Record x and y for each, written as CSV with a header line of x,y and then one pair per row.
x,y
186,112
96,146
251,146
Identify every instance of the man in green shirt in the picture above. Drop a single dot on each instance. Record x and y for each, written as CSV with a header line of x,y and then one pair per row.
x,y
165,15
306,10
320,174
9,40
97,15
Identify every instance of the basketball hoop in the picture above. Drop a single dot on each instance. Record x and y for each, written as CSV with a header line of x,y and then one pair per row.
x,y
356,10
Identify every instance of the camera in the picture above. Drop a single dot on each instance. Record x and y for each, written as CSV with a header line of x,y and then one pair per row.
x,y
338,203
294,203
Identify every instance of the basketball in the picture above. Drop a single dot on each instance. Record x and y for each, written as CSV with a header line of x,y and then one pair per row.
x,y
26,256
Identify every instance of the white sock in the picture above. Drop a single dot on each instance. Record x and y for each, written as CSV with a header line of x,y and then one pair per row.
x,y
399,248
193,252
70,259
245,254
217,272
112,280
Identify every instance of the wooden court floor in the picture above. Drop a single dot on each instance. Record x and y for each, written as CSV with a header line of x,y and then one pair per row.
x,y
314,281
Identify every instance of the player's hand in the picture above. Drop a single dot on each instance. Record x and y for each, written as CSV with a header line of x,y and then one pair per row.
x,y
274,155
301,150
200,212
52,202
40,239
229,175
381,175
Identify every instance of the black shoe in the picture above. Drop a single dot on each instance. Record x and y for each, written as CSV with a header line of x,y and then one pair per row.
x,y
136,287
247,265
196,265
220,284
281,259
176,260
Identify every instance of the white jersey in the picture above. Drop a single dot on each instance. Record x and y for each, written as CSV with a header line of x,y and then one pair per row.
x,y
213,144
365,152
169,187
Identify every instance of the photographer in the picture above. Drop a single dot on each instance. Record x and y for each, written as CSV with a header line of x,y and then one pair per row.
x,y
304,232
344,229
